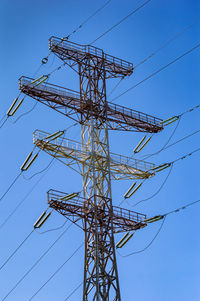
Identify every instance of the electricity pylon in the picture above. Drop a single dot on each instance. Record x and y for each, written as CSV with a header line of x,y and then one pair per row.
x,y
94,212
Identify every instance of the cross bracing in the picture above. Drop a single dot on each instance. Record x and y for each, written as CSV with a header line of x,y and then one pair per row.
x,y
77,209
92,157
70,104
70,152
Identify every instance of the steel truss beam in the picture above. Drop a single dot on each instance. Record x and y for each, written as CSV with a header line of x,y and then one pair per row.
x,y
92,158
78,54
72,105
77,209
72,154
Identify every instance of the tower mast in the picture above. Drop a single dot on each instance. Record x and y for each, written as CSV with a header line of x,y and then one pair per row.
x,y
92,158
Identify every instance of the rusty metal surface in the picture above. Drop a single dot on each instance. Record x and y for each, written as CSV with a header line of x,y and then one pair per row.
x,y
123,219
68,102
100,219
67,50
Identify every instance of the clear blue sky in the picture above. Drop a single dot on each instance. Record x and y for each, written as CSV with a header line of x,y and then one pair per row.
x,y
169,269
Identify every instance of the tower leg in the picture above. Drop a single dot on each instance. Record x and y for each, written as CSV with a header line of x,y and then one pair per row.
x,y
100,267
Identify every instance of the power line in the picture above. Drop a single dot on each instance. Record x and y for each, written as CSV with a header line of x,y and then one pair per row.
x,y
34,106
54,229
45,60
180,140
36,262
181,208
25,113
60,66
51,161
59,268
158,71
94,14
2,118
168,140
11,185
156,193
80,284
185,156
17,177
122,20
163,217
115,87
166,143
190,110
162,47
15,251
178,119
144,60
170,164
3,121
21,202
166,165
151,242
167,43
43,170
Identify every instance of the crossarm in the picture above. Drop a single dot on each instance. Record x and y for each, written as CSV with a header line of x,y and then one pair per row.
x,y
123,219
120,166
67,50
68,102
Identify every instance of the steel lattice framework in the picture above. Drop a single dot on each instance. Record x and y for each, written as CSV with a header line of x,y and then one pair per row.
x,y
92,158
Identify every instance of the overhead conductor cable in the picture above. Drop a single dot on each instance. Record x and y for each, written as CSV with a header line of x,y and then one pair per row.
x,y
158,71
45,59
36,263
58,269
37,224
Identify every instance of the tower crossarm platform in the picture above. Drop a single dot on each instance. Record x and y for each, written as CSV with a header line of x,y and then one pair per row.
x,y
68,103
78,208
68,51
70,153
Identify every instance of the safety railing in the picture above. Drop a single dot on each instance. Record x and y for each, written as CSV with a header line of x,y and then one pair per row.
x,y
88,49
133,114
55,195
113,109
128,214
115,159
26,82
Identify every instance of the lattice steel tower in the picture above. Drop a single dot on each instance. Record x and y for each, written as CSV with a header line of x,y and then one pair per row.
x,y
92,158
